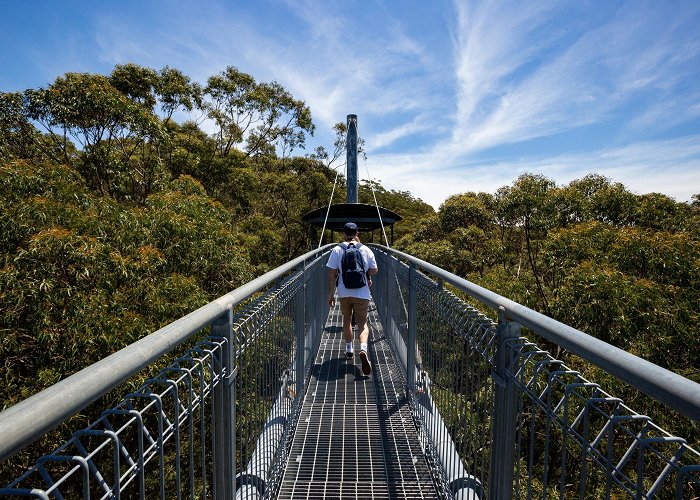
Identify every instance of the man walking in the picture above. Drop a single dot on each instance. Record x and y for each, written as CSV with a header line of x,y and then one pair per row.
x,y
352,264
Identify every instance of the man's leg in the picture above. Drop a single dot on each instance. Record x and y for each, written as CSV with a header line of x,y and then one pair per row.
x,y
347,328
361,307
346,309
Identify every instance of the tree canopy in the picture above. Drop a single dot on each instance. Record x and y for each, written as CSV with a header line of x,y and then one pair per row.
x,y
118,216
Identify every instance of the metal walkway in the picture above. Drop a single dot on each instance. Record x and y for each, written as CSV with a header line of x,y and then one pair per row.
x,y
263,404
356,437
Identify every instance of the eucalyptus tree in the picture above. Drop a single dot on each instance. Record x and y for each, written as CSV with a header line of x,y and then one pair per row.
x,y
464,210
17,134
340,129
162,92
106,125
660,212
527,205
259,118
594,197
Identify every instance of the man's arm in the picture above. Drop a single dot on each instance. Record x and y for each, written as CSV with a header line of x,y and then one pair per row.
x,y
371,272
372,268
332,273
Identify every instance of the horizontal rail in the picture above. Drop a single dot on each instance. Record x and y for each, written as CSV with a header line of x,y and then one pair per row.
x,y
48,408
671,389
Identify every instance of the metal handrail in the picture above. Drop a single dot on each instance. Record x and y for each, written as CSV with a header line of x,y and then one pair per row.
x,y
671,389
48,408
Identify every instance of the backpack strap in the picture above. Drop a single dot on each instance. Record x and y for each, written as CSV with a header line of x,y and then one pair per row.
x,y
344,245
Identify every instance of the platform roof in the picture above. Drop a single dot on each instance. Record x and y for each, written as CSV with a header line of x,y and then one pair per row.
x,y
365,216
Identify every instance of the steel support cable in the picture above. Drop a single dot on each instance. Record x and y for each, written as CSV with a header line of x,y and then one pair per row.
x,y
328,210
381,221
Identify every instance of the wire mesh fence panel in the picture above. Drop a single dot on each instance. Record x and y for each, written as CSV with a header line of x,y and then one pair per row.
x,y
286,324
452,397
155,443
496,415
212,424
507,420
574,440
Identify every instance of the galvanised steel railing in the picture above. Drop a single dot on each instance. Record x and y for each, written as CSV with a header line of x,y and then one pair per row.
x,y
238,388
498,416
506,419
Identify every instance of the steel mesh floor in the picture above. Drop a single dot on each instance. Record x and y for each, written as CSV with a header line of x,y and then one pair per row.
x,y
356,437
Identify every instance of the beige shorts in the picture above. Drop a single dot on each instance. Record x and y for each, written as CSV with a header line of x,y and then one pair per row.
x,y
360,306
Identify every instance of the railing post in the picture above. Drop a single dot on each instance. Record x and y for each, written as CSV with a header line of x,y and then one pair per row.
x,y
310,313
388,271
225,411
412,322
502,461
300,330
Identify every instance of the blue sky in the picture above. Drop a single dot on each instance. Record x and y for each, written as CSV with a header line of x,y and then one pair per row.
x,y
452,96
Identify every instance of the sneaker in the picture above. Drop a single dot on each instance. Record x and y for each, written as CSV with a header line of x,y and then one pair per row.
x,y
349,352
366,366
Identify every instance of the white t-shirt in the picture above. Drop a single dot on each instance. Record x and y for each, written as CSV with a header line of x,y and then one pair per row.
x,y
335,262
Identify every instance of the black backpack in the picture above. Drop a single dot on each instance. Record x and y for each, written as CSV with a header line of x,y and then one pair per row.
x,y
353,267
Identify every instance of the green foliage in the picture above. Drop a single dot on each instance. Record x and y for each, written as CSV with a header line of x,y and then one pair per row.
x,y
594,198
427,230
622,267
168,87
83,275
114,131
115,219
259,115
411,209
658,211
464,210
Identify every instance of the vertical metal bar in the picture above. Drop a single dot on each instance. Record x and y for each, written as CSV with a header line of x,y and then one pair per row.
x,y
299,313
387,283
485,401
224,402
231,373
502,463
412,322
351,159
190,425
217,420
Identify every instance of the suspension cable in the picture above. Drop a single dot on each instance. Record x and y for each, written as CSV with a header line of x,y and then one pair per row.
x,y
374,195
328,210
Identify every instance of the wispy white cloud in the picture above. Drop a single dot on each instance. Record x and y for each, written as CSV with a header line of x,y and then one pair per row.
x,y
511,72
344,67
416,126
518,80
486,35
668,166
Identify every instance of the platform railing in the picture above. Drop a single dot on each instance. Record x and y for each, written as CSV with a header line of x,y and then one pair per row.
x,y
506,419
212,424
501,416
